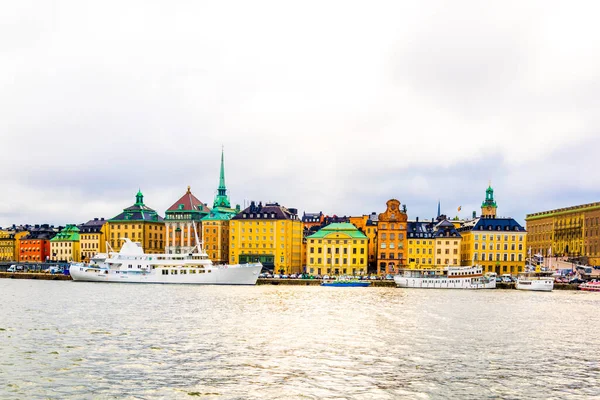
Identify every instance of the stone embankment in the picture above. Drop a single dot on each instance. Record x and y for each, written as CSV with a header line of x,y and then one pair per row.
x,y
33,275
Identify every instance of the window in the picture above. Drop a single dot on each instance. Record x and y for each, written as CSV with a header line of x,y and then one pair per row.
x,y
383,246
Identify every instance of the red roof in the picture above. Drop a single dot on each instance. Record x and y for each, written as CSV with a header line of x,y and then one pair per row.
x,y
190,203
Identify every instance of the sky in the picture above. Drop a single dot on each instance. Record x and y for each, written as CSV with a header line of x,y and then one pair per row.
x,y
332,106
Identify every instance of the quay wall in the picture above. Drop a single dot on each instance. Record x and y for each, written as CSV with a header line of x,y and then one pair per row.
x,y
32,275
261,281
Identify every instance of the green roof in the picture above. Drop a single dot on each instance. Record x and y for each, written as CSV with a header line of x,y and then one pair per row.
x,y
220,214
344,227
70,233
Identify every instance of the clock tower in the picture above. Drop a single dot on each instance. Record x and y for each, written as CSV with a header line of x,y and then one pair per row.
x,y
488,207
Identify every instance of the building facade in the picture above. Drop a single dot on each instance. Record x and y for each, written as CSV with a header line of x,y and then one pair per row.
x,y
65,246
338,248
367,224
183,223
391,238
10,243
271,234
215,226
92,238
421,244
497,244
35,246
447,243
138,223
570,232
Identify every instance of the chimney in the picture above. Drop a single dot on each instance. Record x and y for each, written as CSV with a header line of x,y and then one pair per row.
x,y
417,219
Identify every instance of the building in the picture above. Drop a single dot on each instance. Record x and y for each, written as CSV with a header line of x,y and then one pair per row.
x,y
139,223
92,238
10,240
65,246
391,238
498,244
421,244
35,246
338,248
183,224
215,226
570,232
447,243
311,220
271,234
367,224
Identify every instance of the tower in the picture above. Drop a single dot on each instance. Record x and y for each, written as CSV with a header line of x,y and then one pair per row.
x,y
221,199
488,207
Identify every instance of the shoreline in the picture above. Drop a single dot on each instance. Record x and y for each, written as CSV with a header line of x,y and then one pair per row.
x,y
261,281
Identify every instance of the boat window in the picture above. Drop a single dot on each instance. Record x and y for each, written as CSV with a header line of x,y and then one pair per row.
x,y
183,272
165,272
173,272
192,271
209,271
201,271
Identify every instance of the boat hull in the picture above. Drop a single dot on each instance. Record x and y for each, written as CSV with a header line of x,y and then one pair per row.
x,y
216,275
542,285
436,283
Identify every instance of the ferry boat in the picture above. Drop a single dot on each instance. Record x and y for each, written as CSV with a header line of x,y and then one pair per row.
x,y
132,265
593,286
447,278
540,281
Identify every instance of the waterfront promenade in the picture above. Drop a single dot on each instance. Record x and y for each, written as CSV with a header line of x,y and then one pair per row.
x,y
261,281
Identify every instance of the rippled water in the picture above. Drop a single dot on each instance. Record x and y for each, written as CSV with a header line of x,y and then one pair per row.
x,y
94,340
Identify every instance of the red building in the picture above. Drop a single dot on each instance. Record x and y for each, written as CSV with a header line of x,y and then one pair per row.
x,y
35,247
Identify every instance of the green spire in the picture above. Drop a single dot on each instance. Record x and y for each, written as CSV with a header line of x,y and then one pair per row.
x,y
489,197
222,200
139,198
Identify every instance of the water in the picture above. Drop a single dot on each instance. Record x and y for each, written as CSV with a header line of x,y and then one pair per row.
x,y
93,340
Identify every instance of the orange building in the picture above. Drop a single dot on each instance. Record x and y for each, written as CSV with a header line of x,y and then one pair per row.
x,y
391,238
35,247
367,224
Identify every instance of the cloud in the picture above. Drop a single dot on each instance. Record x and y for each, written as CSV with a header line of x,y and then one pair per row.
x,y
321,106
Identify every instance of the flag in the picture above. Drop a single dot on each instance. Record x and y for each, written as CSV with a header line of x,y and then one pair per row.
x,y
459,208
549,251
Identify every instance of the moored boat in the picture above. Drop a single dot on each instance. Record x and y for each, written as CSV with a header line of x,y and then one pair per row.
x,y
539,281
345,282
448,278
132,265
593,286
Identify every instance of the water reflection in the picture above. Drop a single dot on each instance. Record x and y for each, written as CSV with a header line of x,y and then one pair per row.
x,y
81,340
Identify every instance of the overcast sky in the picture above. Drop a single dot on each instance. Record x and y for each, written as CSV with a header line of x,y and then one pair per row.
x,y
332,106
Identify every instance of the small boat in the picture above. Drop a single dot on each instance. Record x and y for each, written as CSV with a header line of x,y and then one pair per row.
x,y
345,282
539,281
593,286
447,278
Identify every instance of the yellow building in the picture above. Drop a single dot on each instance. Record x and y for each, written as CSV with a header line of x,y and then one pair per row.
x,y
367,224
92,238
271,234
498,244
421,244
447,244
65,246
391,238
10,243
336,249
139,223
572,232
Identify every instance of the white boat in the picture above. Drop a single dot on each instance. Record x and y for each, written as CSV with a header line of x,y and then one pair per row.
x,y
536,281
131,265
447,278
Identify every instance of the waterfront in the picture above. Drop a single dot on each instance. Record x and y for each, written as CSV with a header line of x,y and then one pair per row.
x,y
64,339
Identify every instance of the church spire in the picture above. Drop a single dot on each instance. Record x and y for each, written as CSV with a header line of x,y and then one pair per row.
x,y
439,207
222,200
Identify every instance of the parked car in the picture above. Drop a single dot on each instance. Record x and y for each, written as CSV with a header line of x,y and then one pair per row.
x,y
263,275
15,268
388,277
284,276
498,279
325,276
277,276
576,280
